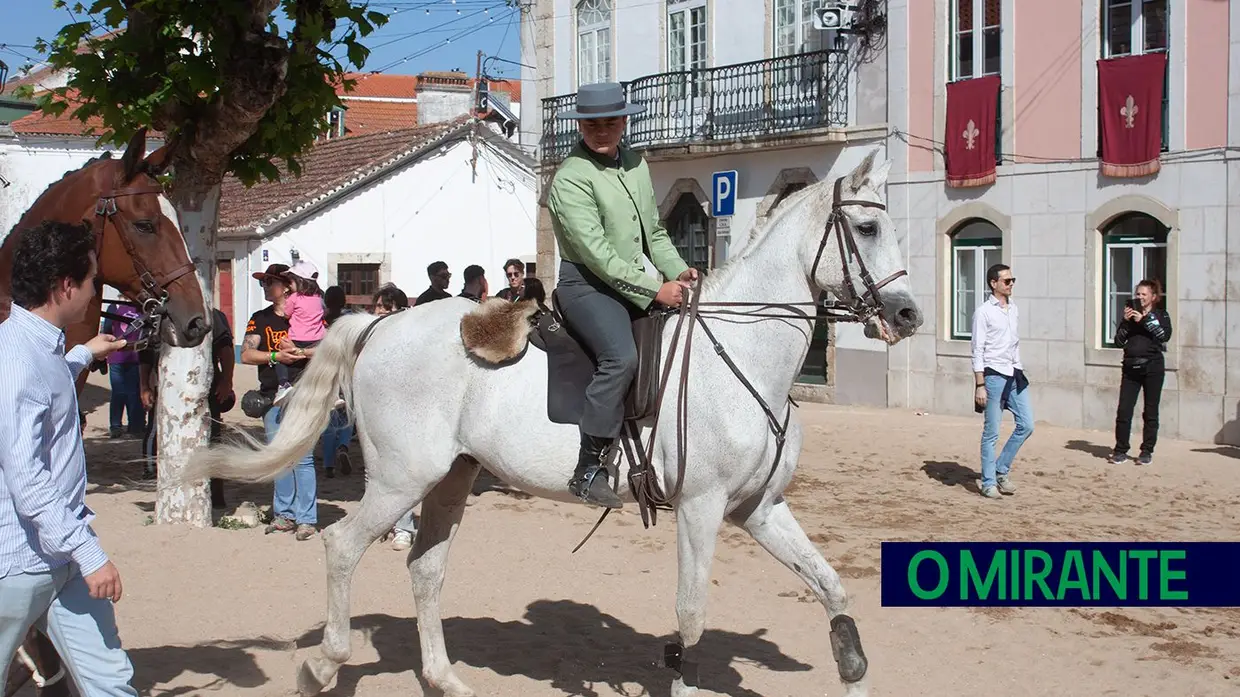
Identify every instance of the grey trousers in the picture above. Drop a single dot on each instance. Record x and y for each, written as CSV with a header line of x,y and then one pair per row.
x,y
602,319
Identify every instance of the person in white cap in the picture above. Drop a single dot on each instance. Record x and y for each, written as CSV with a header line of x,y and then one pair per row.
x,y
304,308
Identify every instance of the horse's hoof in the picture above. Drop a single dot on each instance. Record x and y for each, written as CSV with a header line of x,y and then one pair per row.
x,y
314,675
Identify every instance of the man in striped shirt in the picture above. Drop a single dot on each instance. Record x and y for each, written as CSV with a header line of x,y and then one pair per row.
x,y
53,571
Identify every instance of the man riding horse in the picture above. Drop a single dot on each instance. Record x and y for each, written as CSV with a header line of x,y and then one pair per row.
x,y
607,223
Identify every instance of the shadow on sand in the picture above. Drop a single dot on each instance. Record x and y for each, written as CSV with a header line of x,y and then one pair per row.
x,y
952,473
572,647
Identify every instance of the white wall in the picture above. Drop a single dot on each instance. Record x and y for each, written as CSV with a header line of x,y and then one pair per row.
x,y
32,164
739,29
427,212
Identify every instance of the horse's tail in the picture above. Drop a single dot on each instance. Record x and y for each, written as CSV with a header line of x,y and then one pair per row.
x,y
304,415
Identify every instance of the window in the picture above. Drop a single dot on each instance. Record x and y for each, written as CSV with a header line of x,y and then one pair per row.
x,y
686,40
1134,247
975,49
689,228
976,246
360,282
1135,27
794,27
593,41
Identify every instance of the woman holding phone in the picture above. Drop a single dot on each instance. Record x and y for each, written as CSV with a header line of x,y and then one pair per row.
x,y
1143,334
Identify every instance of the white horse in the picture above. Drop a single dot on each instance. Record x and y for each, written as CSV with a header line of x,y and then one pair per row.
x,y
429,413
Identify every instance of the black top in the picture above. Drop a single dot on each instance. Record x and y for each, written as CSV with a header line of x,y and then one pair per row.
x,y
510,294
271,329
1145,338
430,294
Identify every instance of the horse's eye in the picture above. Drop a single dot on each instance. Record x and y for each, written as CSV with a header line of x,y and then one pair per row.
x,y
868,229
145,227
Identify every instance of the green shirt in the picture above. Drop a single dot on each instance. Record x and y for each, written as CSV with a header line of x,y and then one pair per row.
x,y
601,211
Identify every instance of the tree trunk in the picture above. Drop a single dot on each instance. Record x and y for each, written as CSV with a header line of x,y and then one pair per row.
x,y
182,418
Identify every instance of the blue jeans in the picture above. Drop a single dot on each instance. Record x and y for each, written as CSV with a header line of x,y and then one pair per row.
x,y
82,628
1018,404
338,433
296,491
126,396
408,523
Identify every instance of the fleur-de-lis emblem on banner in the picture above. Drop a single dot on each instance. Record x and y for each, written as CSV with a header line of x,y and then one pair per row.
x,y
970,134
1129,112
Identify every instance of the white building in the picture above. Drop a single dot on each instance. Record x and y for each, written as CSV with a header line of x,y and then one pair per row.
x,y
745,85
379,208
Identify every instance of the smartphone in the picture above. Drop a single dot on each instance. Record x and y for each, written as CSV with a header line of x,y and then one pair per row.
x,y
1135,304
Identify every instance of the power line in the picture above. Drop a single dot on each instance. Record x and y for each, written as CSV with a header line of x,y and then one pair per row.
x,y
437,46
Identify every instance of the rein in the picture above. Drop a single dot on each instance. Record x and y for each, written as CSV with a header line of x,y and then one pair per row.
x,y
862,307
153,297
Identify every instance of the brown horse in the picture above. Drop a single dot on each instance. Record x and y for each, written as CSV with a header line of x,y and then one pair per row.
x,y
141,252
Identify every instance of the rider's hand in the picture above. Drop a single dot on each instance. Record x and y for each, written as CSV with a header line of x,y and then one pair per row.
x,y
103,344
105,583
689,275
670,294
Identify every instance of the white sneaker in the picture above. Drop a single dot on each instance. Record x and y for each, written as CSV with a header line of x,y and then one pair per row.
x,y
403,539
281,395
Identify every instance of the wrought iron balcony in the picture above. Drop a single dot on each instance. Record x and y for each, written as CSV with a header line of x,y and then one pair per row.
x,y
743,100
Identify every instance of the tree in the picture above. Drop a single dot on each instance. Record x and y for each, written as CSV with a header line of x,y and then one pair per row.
x,y
233,93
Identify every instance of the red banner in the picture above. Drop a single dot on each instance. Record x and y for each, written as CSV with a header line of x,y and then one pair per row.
x,y
1130,92
969,149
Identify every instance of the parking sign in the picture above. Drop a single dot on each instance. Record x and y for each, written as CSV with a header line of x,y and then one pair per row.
x,y
723,193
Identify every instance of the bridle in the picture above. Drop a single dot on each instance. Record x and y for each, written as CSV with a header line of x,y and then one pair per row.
x,y
153,296
859,307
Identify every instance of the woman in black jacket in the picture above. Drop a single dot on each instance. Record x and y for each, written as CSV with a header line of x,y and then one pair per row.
x,y
1143,334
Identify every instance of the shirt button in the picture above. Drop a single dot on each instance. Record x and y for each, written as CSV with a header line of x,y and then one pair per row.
x,y
637,239
635,217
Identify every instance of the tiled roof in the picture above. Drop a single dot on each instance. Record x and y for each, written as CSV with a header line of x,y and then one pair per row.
x,y
39,123
361,118
330,166
380,85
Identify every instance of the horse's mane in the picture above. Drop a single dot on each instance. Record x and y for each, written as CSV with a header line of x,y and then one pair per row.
x,y
757,233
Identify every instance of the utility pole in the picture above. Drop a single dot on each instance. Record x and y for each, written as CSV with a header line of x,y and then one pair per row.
x,y
473,107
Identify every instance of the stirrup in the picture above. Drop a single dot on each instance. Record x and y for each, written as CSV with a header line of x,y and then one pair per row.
x,y
582,486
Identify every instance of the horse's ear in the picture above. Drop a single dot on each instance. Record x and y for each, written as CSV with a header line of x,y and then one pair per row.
x,y
869,174
135,153
159,160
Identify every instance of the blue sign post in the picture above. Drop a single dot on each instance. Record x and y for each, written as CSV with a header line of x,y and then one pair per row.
x,y
723,193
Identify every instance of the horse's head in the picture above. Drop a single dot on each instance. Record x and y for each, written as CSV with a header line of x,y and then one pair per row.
x,y
853,253
142,252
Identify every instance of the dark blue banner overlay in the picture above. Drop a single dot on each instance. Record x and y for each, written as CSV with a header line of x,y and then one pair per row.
x,y
1061,574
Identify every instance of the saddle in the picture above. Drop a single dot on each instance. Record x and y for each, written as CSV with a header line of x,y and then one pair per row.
x,y
571,366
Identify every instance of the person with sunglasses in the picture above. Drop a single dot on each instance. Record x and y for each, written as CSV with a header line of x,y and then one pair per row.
x,y
514,271
999,379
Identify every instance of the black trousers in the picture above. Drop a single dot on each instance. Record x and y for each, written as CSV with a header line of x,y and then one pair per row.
x,y
1148,379
603,320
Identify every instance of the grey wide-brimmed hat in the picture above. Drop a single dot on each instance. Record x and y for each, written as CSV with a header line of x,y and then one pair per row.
x,y
601,100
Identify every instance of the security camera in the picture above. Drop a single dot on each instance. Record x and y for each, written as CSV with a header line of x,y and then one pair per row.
x,y
834,16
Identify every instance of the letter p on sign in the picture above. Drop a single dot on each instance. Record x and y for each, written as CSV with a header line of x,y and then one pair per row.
x,y
723,193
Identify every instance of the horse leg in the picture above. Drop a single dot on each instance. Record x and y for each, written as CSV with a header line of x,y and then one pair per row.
x,y
442,510
773,526
346,541
697,527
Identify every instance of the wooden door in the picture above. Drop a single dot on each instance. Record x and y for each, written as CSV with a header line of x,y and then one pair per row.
x,y
224,288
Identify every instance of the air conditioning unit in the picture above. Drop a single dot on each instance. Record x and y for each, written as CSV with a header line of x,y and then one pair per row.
x,y
834,16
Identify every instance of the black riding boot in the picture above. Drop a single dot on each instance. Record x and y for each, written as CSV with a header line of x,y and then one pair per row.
x,y
589,482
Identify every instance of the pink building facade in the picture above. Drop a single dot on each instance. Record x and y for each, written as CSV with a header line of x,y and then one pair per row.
x,y
1077,240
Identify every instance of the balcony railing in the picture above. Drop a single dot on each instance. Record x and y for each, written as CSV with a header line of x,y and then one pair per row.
x,y
744,100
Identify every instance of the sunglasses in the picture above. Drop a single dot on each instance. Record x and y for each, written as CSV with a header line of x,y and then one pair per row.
x,y
514,274
1007,281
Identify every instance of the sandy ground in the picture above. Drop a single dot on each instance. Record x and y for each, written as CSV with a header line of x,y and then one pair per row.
x,y
234,612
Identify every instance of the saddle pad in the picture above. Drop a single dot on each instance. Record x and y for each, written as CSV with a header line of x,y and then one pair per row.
x,y
569,369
